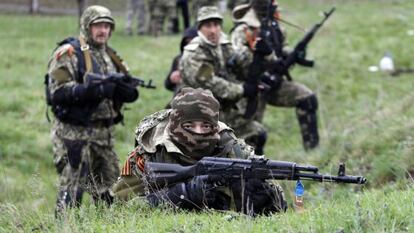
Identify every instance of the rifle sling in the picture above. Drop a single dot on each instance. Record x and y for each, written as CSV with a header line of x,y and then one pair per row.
x,y
88,58
87,55
117,60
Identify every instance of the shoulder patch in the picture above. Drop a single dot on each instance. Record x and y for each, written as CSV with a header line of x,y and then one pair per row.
x,y
64,49
150,122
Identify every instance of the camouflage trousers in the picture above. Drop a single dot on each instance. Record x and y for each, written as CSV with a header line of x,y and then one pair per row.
x,y
136,7
287,95
292,94
86,162
161,10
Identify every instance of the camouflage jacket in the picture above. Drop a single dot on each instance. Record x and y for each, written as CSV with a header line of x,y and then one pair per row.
x,y
203,65
63,72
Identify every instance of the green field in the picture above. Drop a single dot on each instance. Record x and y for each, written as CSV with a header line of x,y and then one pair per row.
x,y
366,120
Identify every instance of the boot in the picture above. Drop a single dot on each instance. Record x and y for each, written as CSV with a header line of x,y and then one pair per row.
x,y
308,122
309,128
65,200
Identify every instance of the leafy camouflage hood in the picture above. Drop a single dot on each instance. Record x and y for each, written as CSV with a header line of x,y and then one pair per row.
x,y
194,105
94,14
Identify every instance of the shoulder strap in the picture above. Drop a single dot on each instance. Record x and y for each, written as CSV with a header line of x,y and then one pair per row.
x,y
117,60
84,47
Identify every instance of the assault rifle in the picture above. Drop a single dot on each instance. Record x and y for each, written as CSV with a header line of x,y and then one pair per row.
x,y
297,55
120,78
216,168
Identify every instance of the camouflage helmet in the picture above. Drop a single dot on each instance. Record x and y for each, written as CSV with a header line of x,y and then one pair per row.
x,y
95,14
207,13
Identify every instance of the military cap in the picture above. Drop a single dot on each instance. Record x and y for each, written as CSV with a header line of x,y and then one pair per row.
x,y
245,14
208,12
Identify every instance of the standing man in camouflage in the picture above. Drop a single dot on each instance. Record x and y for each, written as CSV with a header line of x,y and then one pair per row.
x,y
204,65
86,86
283,93
138,8
183,135
160,11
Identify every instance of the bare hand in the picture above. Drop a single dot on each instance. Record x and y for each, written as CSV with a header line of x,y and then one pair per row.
x,y
175,77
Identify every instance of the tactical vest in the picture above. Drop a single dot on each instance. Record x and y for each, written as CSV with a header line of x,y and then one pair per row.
x,y
80,115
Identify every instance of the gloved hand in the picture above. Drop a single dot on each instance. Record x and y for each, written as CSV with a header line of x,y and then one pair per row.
x,y
125,93
263,48
196,193
250,90
93,92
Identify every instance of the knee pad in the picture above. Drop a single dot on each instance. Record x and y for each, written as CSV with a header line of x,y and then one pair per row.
x,y
262,138
308,104
260,142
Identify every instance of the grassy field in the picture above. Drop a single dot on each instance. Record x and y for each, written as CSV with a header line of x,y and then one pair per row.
x,y
366,120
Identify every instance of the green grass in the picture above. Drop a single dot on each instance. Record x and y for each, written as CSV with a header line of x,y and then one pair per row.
x,y
366,121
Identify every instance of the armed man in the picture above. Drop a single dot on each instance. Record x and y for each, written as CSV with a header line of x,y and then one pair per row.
x,y
160,11
87,84
184,135
247,35
204,65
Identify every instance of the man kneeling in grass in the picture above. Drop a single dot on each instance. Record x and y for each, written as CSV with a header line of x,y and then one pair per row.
x,y
183,135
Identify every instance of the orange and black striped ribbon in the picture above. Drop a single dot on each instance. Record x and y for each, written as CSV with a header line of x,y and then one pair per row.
x,y
126,169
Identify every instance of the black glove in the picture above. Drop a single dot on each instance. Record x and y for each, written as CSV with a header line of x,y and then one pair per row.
x,y
250,90
197,193
93,92
125,93
80,94
278,66
263,48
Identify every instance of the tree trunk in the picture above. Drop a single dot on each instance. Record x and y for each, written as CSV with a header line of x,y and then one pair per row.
x,y
81,7
33,6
